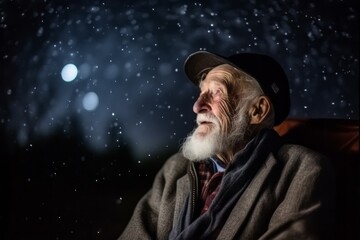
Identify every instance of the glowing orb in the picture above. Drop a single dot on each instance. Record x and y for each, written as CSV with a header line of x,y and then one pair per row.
x,y
69,72
90,101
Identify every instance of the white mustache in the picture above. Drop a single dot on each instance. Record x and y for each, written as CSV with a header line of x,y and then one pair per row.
x,y
206,117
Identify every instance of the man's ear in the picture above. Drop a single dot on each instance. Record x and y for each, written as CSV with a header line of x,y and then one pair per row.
x,y
259,110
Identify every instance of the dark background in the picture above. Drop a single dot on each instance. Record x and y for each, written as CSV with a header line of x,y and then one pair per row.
x,y
70,172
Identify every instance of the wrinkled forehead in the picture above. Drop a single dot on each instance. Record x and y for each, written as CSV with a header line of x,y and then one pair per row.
x,y
220,75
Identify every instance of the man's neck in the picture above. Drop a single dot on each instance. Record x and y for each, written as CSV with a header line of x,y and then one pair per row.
x,y
227,156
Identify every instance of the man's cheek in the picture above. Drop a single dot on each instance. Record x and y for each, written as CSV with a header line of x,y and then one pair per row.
x,y
225,113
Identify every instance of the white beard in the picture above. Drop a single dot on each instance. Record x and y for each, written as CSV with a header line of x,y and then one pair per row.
x,y
199,146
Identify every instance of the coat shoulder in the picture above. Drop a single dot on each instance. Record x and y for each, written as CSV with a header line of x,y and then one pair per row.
x,y
300,157
177,164
298,152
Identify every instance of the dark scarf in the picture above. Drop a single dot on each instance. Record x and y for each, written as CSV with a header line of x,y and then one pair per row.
x,y
237,177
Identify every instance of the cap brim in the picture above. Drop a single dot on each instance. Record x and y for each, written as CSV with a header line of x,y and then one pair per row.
x,y
201,60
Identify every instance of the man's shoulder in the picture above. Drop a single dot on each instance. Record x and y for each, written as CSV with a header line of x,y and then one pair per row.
x,y
177,158
176,164
305,163
298,150
292,154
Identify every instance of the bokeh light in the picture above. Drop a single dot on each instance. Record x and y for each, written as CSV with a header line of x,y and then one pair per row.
x,y
69,72
90,101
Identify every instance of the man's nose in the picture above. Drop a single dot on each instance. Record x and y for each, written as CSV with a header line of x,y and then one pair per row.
x,y
202,104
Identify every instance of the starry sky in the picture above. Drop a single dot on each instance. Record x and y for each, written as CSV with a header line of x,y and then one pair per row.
x,y
129,59
109,74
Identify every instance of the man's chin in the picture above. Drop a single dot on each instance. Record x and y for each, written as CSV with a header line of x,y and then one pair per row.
x,y
203,131
200,135
200,145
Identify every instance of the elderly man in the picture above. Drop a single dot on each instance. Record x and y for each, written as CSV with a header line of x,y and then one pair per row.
x,y
234,178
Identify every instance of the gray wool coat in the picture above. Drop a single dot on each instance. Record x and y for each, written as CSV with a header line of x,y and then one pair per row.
x,y
291,197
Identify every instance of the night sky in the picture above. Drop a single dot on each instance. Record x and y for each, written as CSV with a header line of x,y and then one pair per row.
x,y
93,96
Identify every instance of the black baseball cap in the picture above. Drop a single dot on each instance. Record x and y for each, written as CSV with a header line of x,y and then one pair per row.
x,y
268,72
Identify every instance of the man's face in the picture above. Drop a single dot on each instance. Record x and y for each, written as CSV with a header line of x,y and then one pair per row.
x,y
213,106
215,117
